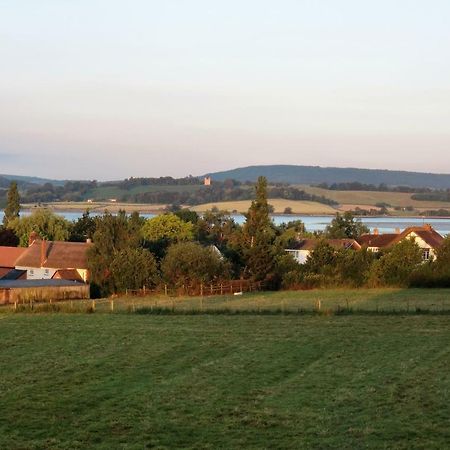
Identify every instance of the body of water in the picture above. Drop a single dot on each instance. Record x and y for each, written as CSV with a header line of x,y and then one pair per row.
x,y
319,223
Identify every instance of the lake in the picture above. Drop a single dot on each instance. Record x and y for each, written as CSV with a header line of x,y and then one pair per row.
x,y
318,223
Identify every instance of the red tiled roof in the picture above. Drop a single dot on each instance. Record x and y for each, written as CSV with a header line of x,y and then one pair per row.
x,y
427,233
9,256
67,274
377,240
55,255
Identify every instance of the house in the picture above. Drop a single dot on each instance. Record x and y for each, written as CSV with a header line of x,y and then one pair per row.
x,y
207,181
426,237
302,248
45,260
8,258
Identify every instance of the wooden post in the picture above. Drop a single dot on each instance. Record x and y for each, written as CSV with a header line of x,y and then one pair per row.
x,y
112,305
201,303
15,305
165,290
211,289
201,289
126,292
143,289
133,307
93,305
221,289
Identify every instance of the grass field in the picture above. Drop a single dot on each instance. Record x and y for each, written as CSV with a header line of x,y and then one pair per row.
x,y
369,198
128,381
298,207
332,301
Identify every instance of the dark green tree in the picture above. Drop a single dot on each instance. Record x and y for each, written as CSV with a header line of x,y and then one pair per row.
x,y
189,264
83,228
258,235
133,268
12,210
395,267
112,236
345,226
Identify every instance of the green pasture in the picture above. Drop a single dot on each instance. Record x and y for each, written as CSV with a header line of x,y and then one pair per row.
x,y
130,381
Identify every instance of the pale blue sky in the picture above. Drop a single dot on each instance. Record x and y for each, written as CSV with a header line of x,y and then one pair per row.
x,y
111,89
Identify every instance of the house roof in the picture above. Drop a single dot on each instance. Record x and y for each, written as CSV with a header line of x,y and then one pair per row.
x,y
14,274
9,256
377,240
55,255
426,232
67,274
310,244
8,284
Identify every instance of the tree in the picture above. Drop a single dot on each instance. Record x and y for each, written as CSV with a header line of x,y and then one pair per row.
x,y
189,263
167,227
12,210
113,235
133,268
83,228
397,264
44,222
345,226
258,235
8,238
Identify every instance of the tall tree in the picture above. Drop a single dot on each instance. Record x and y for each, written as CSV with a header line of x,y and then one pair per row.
x,y
258,236
12,210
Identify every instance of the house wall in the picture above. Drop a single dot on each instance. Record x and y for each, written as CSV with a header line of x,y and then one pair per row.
x,y
36,273
423,245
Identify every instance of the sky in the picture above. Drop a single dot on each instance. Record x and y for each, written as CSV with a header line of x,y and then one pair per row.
x,y
108,89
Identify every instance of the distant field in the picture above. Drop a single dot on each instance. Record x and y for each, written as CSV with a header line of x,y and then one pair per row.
x,y
369,198
110,381
112,207
298,207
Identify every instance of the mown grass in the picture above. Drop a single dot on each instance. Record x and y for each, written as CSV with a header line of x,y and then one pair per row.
x,y
133,382
324,301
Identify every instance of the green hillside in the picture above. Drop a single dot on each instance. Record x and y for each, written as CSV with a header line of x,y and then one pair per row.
x,y
315,175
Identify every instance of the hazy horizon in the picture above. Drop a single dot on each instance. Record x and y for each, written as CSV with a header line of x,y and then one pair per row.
x,y
105,90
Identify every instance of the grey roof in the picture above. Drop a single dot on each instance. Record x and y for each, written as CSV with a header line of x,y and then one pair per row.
x,y
8,284
13,274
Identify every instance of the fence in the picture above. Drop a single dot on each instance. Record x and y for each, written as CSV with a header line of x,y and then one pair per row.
x,y
235,287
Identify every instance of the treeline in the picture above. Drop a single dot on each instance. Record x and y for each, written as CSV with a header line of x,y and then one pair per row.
x,y
222,192
132,182
435,196
356,186
74,191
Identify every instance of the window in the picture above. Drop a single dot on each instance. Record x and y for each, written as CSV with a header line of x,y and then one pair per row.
x,y
426,254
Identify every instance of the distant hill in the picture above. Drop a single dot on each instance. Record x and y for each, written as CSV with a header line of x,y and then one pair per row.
x,y
25,181
315,175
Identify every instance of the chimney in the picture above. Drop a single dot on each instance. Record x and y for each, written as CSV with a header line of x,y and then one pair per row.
x,y
88,241
43,252
428,227
32,237
397,231
375,231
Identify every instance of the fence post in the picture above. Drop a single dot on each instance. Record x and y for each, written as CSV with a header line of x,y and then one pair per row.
x,y
15,305
143,289
221,289
201,303
112,305
201,289
93,305
211,289
165,290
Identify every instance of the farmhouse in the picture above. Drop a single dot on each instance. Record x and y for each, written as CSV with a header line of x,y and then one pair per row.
x,y
302,248
426,237
45,260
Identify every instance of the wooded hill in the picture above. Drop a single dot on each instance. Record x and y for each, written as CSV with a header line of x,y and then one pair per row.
x,y
315,175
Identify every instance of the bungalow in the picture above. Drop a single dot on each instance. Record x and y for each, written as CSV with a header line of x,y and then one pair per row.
x,y
302,248
426,237
45,260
